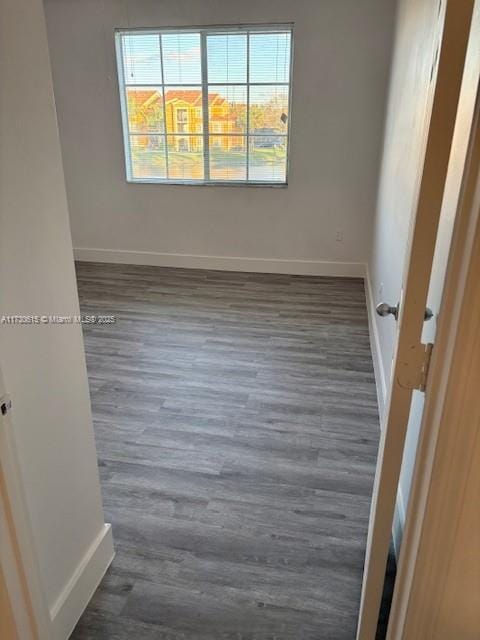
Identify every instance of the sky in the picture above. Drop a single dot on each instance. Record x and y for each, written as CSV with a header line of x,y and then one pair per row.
x,y
226,58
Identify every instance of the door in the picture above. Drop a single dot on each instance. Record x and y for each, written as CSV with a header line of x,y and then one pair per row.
x,y
410,362
436,594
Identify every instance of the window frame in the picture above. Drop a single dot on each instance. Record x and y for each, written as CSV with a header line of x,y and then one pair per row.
x,y
204,31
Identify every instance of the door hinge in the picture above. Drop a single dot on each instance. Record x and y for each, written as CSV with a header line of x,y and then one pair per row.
x,y
413,370
5,405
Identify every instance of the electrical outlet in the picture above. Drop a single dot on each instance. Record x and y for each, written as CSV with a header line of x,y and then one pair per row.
x,y
339,235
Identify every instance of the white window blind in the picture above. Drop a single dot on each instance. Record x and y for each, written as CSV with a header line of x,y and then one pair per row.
x,y
206,106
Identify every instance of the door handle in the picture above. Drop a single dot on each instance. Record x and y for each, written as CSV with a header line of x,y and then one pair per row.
x,y
384,309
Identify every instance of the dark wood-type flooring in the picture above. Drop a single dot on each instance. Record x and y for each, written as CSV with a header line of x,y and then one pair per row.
x,y
237,429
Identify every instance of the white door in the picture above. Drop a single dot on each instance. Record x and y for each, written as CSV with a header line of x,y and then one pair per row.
x,y
414,335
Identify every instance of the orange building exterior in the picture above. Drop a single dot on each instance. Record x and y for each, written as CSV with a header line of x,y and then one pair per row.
x,y
183,115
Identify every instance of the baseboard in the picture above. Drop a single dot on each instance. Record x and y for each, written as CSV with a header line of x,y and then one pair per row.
x,y
74,598
381,385
223,263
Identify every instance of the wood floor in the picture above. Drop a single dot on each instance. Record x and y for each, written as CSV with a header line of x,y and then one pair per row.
x,y
237,429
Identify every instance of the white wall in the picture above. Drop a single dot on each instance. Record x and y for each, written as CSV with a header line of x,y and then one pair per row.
x,y
44,365
342,54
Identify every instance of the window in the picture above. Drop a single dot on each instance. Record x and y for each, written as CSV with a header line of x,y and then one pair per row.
x,y
206,106
182,120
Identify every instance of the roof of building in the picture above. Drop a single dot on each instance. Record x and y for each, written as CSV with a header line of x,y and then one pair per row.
x,y
190,96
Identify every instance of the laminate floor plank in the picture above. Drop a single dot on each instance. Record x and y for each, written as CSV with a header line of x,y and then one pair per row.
x,y
236,425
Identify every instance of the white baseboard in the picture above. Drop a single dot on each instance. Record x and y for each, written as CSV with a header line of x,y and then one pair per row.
x,y
381,385
223,263
74,598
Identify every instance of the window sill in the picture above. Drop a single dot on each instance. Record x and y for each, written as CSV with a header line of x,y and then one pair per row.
x,y
210,183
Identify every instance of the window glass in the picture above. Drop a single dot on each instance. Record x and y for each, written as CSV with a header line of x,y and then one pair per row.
x,y
207,105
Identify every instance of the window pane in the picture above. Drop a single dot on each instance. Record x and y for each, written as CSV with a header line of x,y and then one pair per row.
x,y
141,59
269,57
147,154
268,109
145,110
183,107
185,157
227,107
267,158
181,58
227,58
228,158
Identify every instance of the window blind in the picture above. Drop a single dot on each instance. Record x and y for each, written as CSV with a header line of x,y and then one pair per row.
x,y
206,105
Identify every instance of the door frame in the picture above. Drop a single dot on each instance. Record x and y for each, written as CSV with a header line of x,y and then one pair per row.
x,y
8,624
18,559
451,419
16,611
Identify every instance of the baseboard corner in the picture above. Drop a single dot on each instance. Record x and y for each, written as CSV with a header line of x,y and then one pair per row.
x,y
78,591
